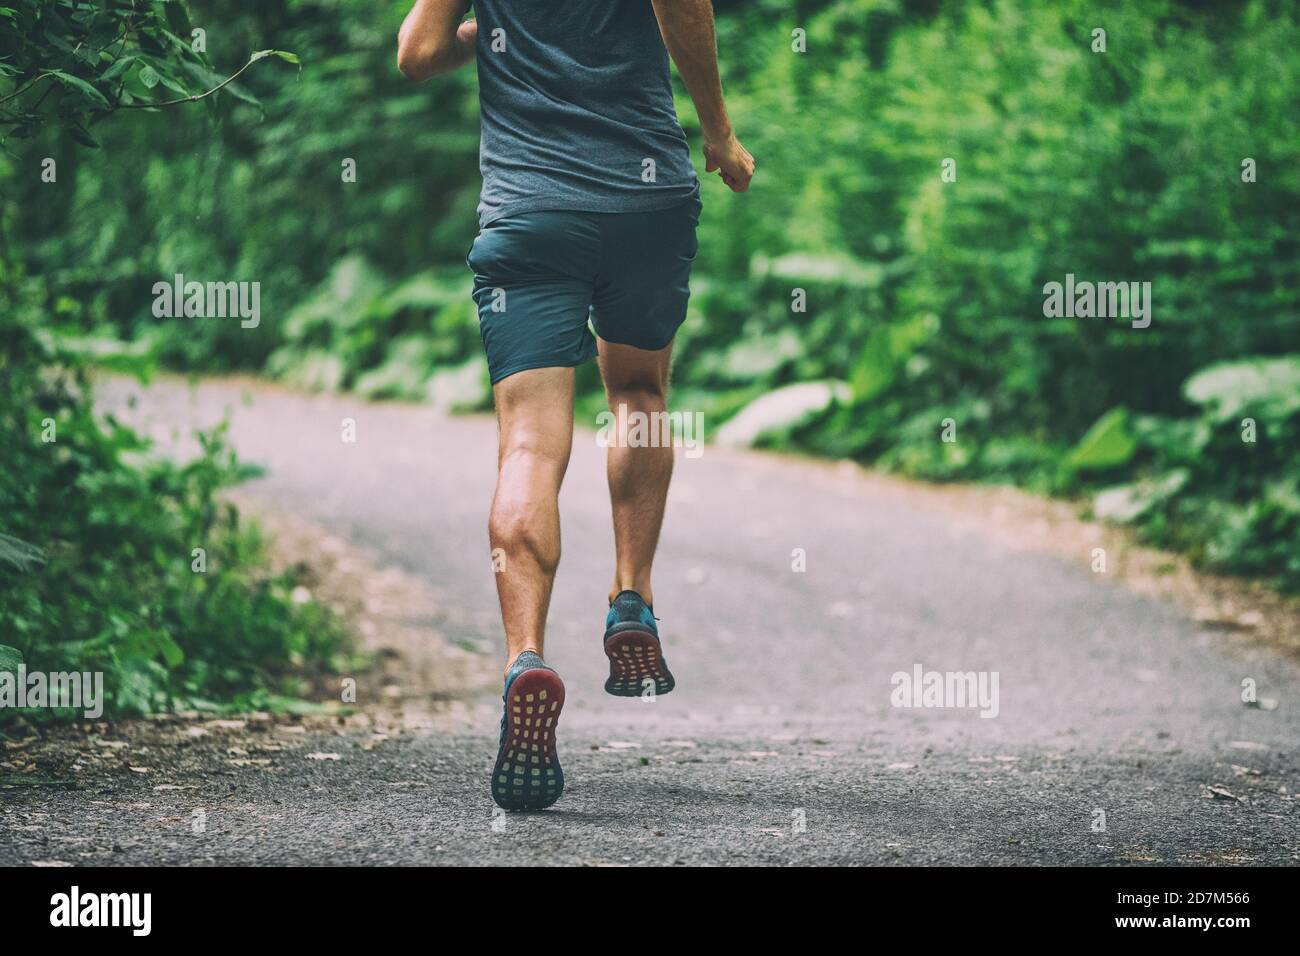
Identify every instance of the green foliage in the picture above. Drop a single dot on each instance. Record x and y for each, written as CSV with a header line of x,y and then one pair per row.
x,y
357,331
97,574
10,659
925,296
1270,387
96,559
266,195
1130,502
97,58
774,415
1109,443
19,556
1225,484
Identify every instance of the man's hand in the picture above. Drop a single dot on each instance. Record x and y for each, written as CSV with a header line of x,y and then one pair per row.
x,y
731,160
687,29
434,40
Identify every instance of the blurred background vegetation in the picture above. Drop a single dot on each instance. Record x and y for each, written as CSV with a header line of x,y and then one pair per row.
x,y
924,298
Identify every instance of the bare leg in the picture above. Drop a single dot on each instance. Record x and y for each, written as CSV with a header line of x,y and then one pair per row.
x,y
535,429
636,380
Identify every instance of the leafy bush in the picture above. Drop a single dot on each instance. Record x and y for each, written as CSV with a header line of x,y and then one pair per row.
x,y
99,567
355,331
923,296
98,548
926,296
346,158
1225,485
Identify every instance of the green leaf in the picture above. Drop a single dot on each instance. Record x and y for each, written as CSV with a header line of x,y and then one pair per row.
x,y
82,135
173,85
886,352
1271,385
756,359
20,555
117,69
177,17
1107,444
282,54
780,411
1127,503
875,369
170,650
148,77
77,83
10,658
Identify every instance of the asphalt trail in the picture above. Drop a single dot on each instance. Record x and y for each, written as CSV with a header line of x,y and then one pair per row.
x,y
780,745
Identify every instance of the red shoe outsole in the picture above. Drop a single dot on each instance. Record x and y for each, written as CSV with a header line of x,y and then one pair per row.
x,y
636,663
527,775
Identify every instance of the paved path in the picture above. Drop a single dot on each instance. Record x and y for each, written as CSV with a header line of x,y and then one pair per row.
x,y
780,744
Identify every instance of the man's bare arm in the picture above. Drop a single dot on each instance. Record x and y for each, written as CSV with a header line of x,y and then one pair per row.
x,y
688,32
434,39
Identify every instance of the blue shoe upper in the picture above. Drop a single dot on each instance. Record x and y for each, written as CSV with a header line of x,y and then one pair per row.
x,y
628,608
524,662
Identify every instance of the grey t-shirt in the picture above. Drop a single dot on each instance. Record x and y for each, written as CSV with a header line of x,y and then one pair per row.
x,y
577,109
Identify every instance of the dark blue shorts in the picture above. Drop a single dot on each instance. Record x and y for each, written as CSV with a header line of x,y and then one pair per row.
x,y
539,276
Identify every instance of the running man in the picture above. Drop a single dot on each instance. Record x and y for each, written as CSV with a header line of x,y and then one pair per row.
x,y
588,211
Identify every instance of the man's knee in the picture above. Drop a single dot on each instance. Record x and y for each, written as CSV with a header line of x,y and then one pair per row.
x,y
644,394
634,377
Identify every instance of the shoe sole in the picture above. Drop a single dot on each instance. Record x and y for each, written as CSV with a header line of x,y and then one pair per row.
x,y
635,661
527,775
